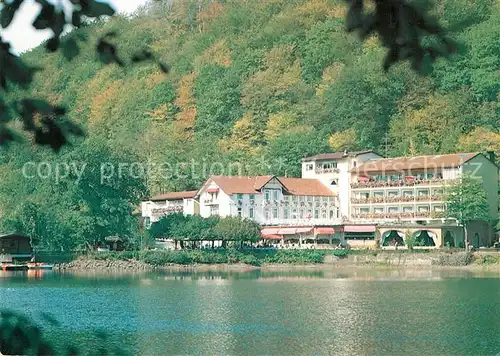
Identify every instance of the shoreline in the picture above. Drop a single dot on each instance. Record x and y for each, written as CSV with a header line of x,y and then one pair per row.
x,y
379,262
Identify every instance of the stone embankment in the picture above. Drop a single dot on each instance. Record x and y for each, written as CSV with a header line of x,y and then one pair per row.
x,y
94,264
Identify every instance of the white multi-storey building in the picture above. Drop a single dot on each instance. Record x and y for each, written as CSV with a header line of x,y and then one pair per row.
x,y
270,200
161,205
406,194
349,196
287,208
333,170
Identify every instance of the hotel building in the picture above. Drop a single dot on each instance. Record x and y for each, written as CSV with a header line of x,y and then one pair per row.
x,y
352,197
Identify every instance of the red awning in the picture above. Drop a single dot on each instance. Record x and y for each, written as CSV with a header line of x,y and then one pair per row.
x,y
324,231
272,237
359,228
363,179
269,231
213,190
288,231
410,178
303,230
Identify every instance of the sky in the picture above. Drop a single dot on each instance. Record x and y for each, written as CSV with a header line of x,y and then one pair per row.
x,y
23,37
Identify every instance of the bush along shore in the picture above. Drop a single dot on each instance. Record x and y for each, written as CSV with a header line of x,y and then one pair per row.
x,y
158,259
148,260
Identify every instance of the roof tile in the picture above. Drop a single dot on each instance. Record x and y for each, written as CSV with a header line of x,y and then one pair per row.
x,y
417,162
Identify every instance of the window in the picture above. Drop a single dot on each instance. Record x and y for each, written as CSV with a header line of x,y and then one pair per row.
x,y
309,214
252,196
329,165
354,164
334,182
438,208
214,210
378,194
301,214
364,195
267,194
430,175
332,214
239,196
438,191
407,209
392,209
323,214
286,214
309,167
378,209
423,193
147,221
316,214
294,214
408,193
266,214
364,210
251,213
239,211
275,213
393,193
275,194
309,198
423,208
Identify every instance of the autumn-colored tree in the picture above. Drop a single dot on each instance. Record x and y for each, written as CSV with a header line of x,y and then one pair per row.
x,y
343,140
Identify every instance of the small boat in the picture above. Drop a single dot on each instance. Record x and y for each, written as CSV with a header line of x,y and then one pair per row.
x,y
13,267
39,266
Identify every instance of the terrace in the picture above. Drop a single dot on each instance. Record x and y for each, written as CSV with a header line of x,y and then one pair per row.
x,y
397,199
399,215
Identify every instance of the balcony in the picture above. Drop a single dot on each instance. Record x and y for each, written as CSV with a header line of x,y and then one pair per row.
x,y
320,170
401,215
397,199
166,211
210,202
397,183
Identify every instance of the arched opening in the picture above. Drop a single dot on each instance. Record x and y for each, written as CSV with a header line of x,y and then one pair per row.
x,y
449,239
392,237
424,238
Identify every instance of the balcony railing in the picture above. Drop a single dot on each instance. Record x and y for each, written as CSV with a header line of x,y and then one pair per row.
x,y
401,215
396,183
397,199
326,170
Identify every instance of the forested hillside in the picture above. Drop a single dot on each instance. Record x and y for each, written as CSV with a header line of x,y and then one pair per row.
x,y
262,83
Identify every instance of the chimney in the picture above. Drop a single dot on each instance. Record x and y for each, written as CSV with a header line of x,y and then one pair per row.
x,y
492,156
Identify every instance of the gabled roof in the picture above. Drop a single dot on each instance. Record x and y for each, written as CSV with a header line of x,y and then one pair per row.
x,y
241,185
252,185
417,162
302,186
175,195
335,155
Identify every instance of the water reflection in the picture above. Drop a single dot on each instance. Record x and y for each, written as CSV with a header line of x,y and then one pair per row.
x,y
269,311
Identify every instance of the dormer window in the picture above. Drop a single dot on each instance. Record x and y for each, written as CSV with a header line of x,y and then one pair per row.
x,y
334,182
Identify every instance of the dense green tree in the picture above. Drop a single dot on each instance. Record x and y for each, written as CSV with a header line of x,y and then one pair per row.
x,y
282,155
466,201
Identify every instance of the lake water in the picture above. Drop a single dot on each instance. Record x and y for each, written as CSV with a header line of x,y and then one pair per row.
x,y
297,312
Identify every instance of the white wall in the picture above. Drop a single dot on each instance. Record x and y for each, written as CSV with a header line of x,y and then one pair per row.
x,y
228,206
343,177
